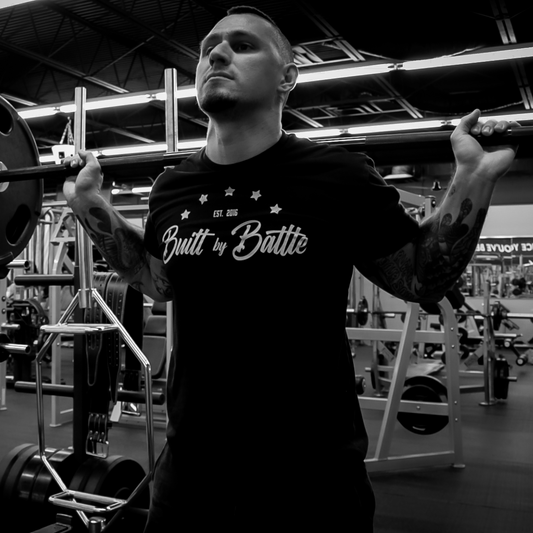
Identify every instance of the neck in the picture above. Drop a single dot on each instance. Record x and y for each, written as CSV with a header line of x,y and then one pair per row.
x,y
230,141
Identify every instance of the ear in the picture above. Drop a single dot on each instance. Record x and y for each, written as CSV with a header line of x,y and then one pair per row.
x,y
289,79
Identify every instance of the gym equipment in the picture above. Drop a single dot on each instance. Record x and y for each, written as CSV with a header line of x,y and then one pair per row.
x,y
26,485
423,389
23,328
109,499
429,406
21,203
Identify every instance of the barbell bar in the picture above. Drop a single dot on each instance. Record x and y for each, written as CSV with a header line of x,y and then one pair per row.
x,y
150,163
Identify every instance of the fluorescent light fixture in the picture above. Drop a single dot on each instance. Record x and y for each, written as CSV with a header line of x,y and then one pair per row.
x,y
348,71
306,75
396,126
183,92
36,112
137,149
11,3
318,133
141,190
485,56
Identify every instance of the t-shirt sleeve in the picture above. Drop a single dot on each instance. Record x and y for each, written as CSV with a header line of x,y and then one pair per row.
x,y
380,220
150,238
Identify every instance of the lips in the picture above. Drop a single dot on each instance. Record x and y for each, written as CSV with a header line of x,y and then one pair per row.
x,y
217,75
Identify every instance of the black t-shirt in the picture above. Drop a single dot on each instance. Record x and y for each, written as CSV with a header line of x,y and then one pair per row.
x,y
260,256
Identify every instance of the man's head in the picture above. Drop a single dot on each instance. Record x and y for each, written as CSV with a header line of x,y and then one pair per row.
x,y
245,62
282,43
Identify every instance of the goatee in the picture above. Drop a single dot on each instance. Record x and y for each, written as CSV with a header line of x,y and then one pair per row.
x,y
217,103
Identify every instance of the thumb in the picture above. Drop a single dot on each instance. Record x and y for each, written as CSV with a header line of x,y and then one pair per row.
x,y
469,121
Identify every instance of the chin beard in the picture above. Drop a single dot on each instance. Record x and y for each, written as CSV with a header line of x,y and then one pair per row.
x,y
217,103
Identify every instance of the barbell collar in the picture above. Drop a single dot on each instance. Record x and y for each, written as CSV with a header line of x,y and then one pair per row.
x,y
16,349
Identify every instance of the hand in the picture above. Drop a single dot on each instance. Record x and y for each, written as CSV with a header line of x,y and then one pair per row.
x,y
89,179
490,162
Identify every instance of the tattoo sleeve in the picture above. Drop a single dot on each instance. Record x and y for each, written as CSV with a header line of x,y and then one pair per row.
x,y
441,253
122,245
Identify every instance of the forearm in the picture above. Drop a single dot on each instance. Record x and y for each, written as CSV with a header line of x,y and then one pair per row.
x,y
448,239
120,242
425,269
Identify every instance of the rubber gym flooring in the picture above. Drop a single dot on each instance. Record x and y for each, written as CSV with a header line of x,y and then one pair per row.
x,y
492,494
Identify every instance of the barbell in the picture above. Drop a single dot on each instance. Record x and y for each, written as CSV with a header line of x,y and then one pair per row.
x,y
22,178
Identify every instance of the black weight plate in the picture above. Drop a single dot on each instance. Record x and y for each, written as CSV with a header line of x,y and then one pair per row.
x,y
11,469
116,477
423,389
20,202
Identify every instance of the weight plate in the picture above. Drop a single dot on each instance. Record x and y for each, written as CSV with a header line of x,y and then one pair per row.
x,y
11,468
20,201
423,389
115,476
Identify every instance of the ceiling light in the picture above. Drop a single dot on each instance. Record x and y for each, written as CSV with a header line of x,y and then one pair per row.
x,y
141,190
485,56
321,133
306,75
36,112
348,71
396,126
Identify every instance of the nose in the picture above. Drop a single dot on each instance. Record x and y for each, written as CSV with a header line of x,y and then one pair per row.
x,y
220,53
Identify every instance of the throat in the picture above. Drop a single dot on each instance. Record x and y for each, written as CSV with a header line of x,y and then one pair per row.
x,y
226,146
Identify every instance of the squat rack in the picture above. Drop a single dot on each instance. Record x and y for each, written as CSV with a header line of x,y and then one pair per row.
x,y
87,296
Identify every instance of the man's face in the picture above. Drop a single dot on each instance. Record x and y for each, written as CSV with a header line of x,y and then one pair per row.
x,y
239,66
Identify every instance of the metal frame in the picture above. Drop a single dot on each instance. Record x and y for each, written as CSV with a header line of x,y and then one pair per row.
x,y
382,460
86,297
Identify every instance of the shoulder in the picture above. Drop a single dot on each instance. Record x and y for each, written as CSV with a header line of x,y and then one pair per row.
x,y
172,174
334,163
323,154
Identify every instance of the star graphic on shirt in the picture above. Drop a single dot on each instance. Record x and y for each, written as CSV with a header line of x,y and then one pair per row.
x,y
185,214
229,191
275,210
203,199
256,195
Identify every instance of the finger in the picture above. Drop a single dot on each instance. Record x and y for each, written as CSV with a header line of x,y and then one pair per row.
x,y
469,121
488,127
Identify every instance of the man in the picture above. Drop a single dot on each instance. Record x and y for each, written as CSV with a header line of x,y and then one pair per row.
x,y
254,238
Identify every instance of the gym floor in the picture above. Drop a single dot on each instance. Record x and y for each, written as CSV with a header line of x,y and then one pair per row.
x,y
492,494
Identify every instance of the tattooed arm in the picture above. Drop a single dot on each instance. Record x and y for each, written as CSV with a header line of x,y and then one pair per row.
x,y
425,269
120,242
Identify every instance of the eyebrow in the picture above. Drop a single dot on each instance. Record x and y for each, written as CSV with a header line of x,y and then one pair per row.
x,y
233,33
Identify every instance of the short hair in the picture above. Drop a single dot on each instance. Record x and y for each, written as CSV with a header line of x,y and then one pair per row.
x,y
283,44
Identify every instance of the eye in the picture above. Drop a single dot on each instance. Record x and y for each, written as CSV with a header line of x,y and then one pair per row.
x,y
242,47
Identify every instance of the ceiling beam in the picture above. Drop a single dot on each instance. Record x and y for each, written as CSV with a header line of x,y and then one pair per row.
x,y
117,37
508,36
171,43
61,67
355,55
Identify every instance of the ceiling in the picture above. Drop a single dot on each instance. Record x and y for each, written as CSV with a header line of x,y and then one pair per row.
x,y
113,47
